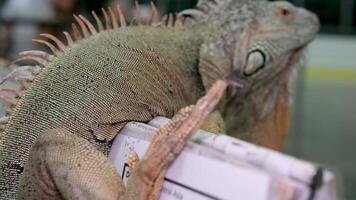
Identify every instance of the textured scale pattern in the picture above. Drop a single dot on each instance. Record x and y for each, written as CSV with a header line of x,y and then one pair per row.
x,y
87,90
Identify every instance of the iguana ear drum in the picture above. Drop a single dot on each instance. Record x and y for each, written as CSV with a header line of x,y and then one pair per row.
x,y
256,60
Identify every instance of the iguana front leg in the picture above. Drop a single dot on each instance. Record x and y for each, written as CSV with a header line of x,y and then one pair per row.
x,y
63,165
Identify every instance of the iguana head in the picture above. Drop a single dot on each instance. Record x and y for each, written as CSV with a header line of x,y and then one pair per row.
x,y
257,42
278,35
259,37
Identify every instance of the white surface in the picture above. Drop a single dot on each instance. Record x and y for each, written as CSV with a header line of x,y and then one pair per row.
x,y
200,176
224,168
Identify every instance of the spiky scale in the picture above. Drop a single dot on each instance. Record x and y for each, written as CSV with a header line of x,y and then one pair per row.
x,y
9,100
138,15
42,54
114,21
58,42
154,14
49,45
98,22
32,69
39,60
89,25
107,19
121,17
82,26
76,32
69,38
10,90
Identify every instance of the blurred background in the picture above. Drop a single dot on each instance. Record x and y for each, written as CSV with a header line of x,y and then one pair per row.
x,y
323,127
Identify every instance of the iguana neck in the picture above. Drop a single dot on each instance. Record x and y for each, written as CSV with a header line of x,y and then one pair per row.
x,y
262,115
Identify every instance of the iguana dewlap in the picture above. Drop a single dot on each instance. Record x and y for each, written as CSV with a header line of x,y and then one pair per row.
x,y
58,135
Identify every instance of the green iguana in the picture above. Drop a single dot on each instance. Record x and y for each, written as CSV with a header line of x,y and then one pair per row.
x,y
57,138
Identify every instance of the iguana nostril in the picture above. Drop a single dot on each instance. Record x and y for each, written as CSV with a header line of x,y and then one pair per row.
x,y
285,12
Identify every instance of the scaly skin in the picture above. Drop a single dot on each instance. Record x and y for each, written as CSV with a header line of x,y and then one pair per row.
x,y
58,136
94,106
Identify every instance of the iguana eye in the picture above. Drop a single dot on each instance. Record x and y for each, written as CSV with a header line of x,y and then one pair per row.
x,y
255,61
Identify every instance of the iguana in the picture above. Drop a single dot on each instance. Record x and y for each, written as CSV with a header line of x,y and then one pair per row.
x,y
57,138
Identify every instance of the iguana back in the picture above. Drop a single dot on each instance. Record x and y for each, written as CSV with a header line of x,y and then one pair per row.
x,y
96,85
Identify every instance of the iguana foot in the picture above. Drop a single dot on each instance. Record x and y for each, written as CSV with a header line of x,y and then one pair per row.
x,y
168,141
133,160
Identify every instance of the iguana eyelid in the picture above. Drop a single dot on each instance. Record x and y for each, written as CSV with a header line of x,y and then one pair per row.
x,y
256,60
